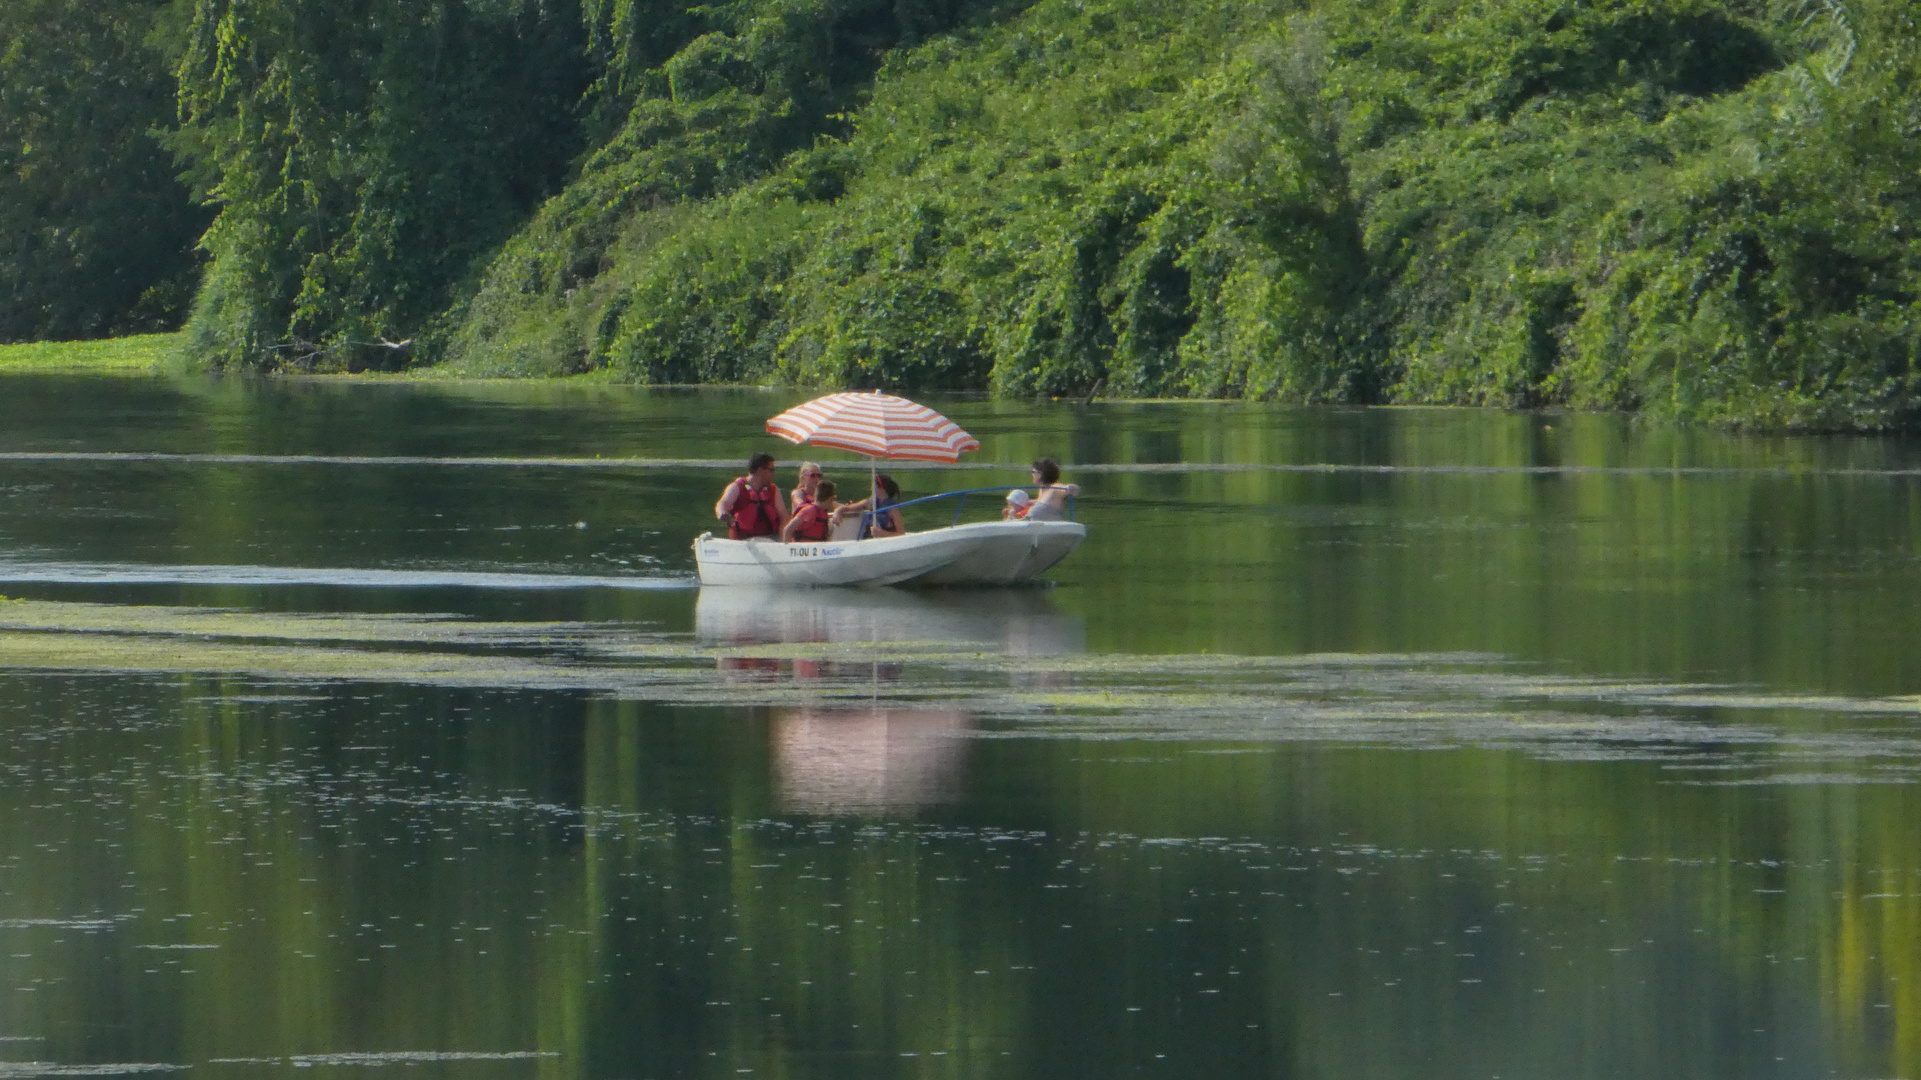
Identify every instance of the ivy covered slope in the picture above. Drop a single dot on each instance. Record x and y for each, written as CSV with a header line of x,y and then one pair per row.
x,y
1697,209
1693,208
371,157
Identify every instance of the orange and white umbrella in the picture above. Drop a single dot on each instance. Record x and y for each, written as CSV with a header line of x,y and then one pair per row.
x,y
876,424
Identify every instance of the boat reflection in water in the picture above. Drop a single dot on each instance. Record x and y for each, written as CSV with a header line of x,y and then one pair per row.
x,y
1020,622
867,760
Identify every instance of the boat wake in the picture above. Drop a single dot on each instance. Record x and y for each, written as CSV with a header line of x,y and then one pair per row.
x,y
74,573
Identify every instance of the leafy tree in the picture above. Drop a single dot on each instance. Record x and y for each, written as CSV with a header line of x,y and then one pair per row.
x,y
366,156
96,235
1696,208
710,99
1693,208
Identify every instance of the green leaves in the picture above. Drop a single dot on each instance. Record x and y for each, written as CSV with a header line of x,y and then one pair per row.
x,y
1038,208
1697,209
96,235
365,156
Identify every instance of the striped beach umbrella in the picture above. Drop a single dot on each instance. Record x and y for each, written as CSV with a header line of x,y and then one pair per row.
x,y
876,424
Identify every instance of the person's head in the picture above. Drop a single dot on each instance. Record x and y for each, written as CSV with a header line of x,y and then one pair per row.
x,y
824,494
809,475
1047,471
761,465
1018,498
884,484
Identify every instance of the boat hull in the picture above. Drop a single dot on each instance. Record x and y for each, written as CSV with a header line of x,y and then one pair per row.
x,y
983,553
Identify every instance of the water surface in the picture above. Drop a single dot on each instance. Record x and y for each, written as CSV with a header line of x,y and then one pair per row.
x,y
378,726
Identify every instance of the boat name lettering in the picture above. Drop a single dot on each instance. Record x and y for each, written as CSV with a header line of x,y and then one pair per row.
x,y
812,552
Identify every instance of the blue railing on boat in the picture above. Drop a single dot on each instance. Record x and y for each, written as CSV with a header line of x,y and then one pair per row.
x,y
960,502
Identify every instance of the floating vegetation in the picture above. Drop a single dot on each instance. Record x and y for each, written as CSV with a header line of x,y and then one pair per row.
x,y
209,623
1010,679
415,1057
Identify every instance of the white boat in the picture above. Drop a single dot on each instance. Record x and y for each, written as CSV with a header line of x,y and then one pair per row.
x,y
980,553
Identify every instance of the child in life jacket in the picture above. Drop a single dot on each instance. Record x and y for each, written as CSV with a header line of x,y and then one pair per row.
x,y
813,521
1017,503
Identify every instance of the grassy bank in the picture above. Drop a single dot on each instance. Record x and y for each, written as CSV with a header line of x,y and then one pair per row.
x,y
140,355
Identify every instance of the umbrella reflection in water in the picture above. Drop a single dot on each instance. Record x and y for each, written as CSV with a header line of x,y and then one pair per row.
x,y
871,759
864,761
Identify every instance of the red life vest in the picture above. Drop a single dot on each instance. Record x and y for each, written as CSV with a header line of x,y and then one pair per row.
x,y
754,513
814,524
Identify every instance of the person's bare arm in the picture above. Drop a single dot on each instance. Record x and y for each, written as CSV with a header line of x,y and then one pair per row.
x,y
1056,495
788,530
888,523
780,511
724,509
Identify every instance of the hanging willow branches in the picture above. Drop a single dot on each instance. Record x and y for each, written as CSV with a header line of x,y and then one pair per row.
x,y
364,155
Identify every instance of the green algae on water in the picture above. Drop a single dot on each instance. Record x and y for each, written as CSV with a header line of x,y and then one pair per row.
x,y
1411,701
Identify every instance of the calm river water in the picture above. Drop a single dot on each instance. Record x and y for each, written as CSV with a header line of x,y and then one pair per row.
x,y
364,726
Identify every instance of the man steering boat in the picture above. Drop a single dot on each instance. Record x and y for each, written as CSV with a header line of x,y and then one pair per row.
x,y
751,506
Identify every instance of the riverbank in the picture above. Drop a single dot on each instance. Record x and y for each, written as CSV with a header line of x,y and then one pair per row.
x,y
149,355
142,355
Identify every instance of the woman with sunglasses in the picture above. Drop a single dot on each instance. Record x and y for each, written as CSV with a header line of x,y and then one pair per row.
x,y
809,483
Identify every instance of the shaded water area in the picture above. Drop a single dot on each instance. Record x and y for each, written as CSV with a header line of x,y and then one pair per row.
x,y
369,726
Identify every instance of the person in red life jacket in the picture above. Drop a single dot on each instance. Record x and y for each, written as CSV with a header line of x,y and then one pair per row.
x,y
751,506
804,490
813,521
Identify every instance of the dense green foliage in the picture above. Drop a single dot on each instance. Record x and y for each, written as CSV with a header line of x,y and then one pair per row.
x,y
96,234
370,159
1697,208
716,100
365,154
